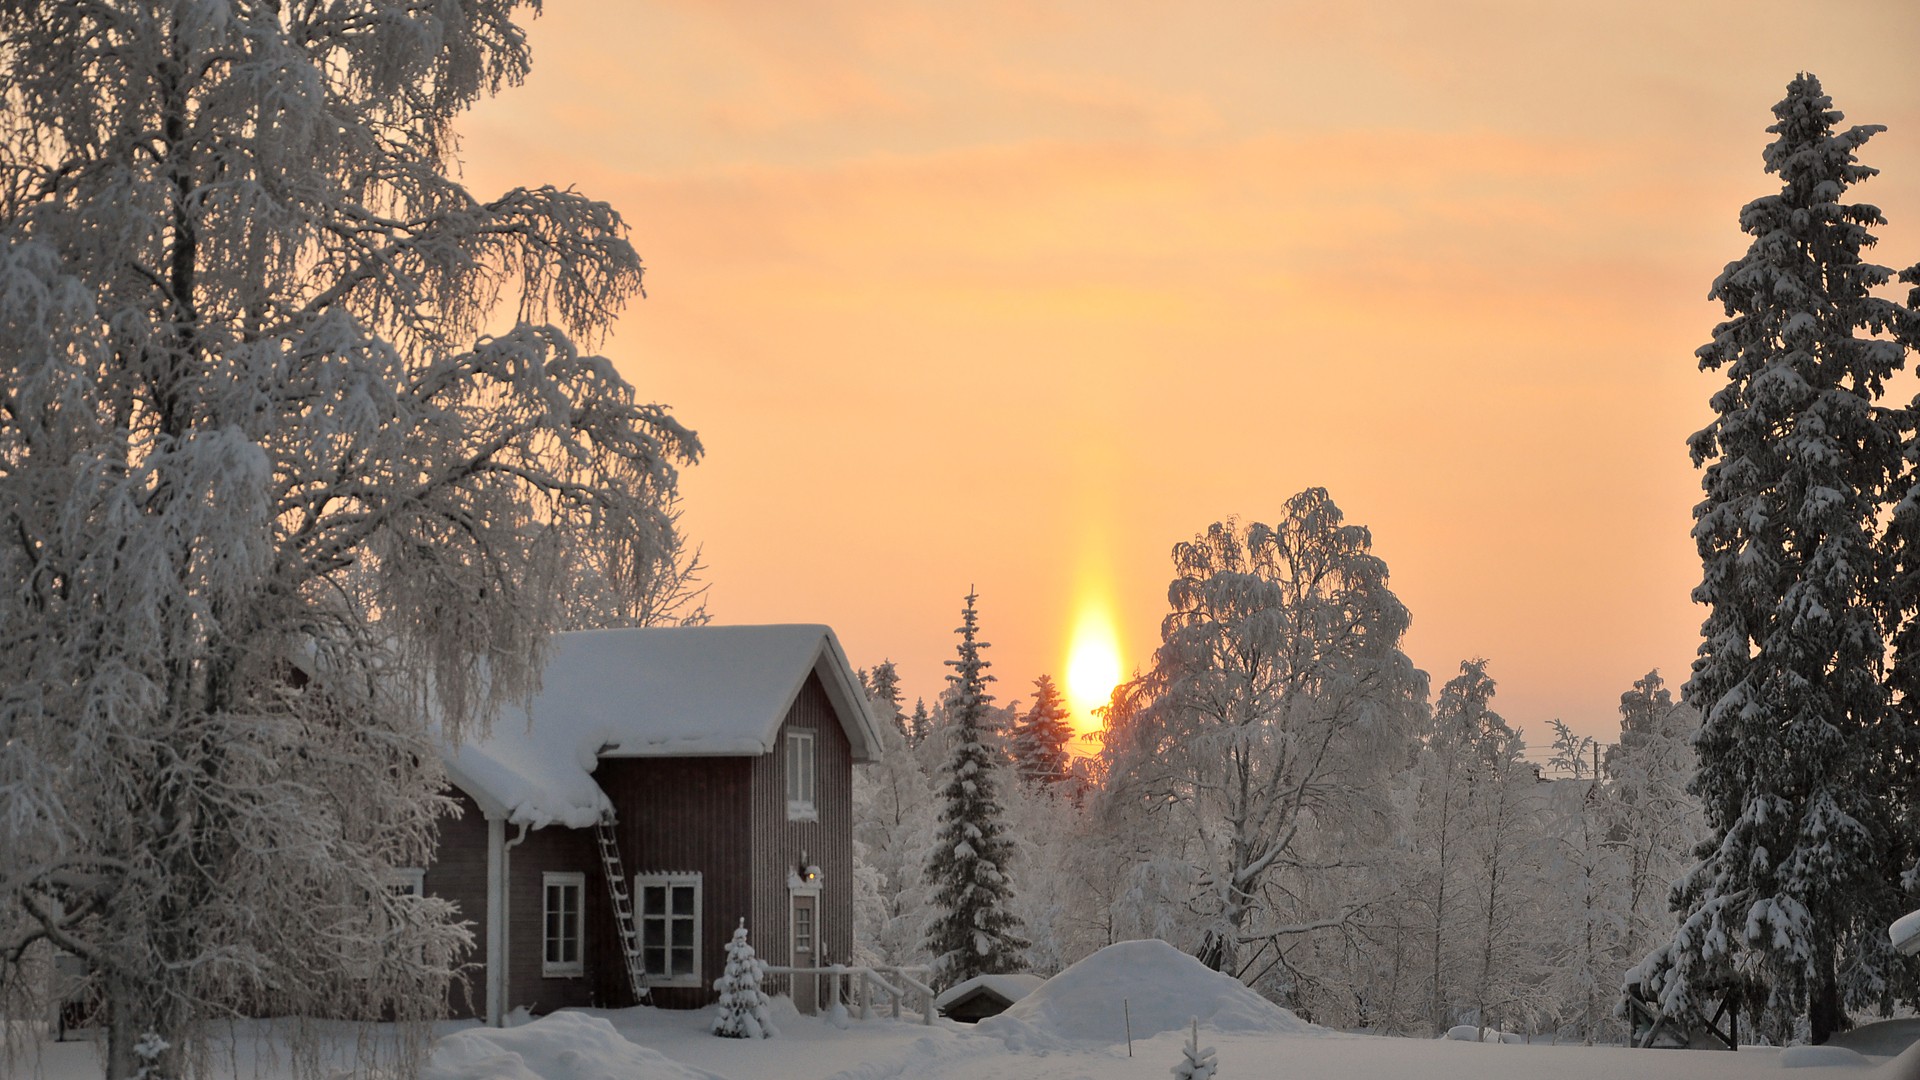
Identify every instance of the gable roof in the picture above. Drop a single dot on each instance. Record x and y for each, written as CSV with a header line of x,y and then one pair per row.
x,y
681,691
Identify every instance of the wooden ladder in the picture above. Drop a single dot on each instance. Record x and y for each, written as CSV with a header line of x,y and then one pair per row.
x,y
617,891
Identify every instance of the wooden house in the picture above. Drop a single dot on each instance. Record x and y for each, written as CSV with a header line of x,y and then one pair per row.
x,y
665,783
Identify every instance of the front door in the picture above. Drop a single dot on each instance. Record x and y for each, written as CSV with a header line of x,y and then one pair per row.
x,y
806,952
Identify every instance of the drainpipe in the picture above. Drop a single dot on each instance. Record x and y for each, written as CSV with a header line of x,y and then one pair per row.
x,y
498,847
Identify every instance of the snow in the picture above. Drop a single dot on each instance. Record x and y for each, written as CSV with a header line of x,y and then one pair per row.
x,y
1813,1057
656,1044
1148,987
563,1046
1010,987
1470,1033
1905,932
651,692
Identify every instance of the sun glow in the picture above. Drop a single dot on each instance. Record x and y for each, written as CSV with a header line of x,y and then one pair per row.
x,y
1093,665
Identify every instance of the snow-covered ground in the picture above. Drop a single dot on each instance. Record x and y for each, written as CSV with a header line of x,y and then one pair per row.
x,y
676,1046
1074,1027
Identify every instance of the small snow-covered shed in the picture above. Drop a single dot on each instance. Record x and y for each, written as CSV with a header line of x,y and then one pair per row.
x,y
722,756
972,1000
1905,933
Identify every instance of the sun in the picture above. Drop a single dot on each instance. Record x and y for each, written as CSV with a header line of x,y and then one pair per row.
x,y
1093,665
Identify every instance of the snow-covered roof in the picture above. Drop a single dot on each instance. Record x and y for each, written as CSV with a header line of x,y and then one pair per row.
x,y
682,691
1905,933
1009,988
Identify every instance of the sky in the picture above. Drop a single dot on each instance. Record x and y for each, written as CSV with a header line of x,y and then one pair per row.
x,y
1013,297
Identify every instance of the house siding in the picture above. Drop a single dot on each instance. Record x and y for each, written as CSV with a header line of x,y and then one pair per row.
x,y
681,815
780,844
723,817
458,873
552,849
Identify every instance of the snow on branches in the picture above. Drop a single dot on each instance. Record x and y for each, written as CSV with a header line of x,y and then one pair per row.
x,y
298,445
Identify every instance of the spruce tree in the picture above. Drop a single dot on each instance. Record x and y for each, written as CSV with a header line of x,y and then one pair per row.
x,y
1788,905
883,690
743,1006
920,723
975,931
1041,736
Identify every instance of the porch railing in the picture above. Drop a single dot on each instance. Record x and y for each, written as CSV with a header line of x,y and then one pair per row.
x,y
897,988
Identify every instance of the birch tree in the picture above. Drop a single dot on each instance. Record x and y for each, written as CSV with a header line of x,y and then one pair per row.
x,y
297,440
1279,704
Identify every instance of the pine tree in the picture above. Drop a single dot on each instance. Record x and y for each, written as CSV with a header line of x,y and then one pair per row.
x,y
1041,737
975,931
743,1005
1789,903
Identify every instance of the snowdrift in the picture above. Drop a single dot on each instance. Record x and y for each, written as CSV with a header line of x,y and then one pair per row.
x,y
1161,988
563,1046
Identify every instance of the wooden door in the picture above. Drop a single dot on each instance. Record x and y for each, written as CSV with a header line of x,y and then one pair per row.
x,y
806,952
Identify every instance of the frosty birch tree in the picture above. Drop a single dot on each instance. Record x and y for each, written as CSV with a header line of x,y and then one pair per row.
x,y
1280,703
1789,904
1463,765
974,930
274,482
1652,822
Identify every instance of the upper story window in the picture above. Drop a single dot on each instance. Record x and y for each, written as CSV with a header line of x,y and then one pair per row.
x,y
561,917
669,917
800,777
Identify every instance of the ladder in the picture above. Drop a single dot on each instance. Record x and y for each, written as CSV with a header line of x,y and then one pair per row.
x,y
617,891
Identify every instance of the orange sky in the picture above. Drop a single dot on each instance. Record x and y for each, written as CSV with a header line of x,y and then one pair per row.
x,y
1017,295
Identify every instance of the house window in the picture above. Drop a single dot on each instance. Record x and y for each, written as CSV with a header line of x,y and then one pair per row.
x,y
803,928
800,805
407,881
669,927
560,914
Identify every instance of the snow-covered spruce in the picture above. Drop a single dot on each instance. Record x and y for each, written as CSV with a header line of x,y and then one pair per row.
x,y
974,930
743,1005
1196,1063
1041,736
279,487
1798,740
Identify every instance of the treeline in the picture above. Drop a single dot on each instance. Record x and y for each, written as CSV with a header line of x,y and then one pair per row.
x,y
1279,794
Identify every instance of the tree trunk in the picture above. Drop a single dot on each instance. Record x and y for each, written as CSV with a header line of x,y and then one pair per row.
x,y
1824,1014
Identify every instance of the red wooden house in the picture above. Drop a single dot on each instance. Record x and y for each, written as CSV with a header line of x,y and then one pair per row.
x,y
672,781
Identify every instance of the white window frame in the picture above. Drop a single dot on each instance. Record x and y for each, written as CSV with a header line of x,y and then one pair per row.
x,y
408,880
669,881
576,881
803,776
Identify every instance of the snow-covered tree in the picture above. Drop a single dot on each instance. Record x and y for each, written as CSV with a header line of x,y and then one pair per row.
x,y
1041,737
640,581
1464,834
1196,1062
894,818
1277,706
1790,901
1652,822
920,724
883,689
974,930
296,442
743,1006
